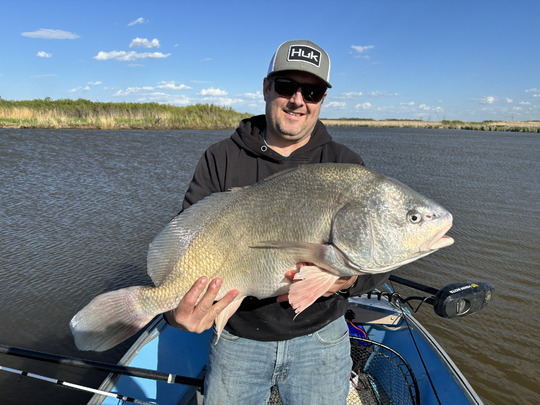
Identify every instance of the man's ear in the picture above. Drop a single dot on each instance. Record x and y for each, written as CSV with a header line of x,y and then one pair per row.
x,y
266,87
324,97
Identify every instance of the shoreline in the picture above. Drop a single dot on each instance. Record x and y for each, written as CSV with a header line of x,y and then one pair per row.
x,y
112,123
86,114
508,126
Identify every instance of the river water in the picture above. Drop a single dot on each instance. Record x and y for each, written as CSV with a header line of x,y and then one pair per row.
x,y
78,209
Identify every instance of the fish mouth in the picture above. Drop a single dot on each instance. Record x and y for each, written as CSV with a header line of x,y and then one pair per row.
x,y
438,241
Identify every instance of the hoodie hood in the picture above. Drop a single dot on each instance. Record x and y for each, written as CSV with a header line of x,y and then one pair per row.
x,y
248,136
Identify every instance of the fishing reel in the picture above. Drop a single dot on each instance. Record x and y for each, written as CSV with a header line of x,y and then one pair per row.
x,y
460,299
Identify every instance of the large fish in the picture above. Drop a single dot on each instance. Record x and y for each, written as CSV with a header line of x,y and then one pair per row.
x,y
342,219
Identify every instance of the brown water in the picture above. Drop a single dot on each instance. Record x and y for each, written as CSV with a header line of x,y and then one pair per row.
x,y
79,208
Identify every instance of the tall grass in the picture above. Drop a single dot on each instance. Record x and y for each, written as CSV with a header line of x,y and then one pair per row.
x,y
81,113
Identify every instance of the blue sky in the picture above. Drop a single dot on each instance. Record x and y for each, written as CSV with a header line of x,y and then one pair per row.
x,y
419,59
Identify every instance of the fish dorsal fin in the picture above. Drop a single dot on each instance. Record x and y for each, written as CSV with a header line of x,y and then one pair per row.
x,y
278,174
171,243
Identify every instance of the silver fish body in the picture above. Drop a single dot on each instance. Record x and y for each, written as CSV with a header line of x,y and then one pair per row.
x,y
342,219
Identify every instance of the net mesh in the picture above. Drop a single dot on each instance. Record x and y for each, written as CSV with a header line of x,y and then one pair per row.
x,y
379,375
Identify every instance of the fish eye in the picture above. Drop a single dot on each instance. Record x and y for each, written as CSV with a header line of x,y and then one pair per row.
x,y
414,217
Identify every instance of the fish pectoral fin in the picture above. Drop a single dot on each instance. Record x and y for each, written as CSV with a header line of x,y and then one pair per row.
x,y
223,317
311,282
302,251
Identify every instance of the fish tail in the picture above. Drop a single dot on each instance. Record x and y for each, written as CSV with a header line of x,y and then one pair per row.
x,y
109,319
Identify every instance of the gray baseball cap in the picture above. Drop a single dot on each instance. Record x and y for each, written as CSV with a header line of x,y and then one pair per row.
x,y
301,55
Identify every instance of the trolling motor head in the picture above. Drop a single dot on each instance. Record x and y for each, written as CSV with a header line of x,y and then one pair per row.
x,y
460,299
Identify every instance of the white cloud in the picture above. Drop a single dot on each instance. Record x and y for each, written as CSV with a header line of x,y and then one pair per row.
x,y
172,85
150,90
425,107
352,94
487,100
509,100
147,94
80,88
133,90
176,93
361,49
378,93
224,101
213,92
374,93
253,96
45,33
139,20
144,43
43,54
363,106
336,104
535,91
129,56
96,83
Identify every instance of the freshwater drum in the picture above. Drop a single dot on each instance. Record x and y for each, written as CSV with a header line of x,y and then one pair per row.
x,y
341,219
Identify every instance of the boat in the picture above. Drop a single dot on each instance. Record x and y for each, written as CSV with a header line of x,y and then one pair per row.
x,y
395,359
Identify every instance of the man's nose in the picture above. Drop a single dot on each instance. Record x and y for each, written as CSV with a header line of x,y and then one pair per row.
x,y
297,97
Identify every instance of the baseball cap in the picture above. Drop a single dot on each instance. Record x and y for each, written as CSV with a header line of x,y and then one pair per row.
x,y
301,55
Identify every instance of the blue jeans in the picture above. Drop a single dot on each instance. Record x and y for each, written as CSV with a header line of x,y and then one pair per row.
x,y
312,369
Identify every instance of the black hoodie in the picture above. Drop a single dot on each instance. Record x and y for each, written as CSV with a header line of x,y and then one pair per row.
x,y
241,160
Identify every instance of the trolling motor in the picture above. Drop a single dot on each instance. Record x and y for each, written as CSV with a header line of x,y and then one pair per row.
x,y
453,300
460,299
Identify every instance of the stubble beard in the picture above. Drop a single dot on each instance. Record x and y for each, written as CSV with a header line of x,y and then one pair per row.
x,y
293,132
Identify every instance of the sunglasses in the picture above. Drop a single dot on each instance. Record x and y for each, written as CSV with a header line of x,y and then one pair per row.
x,y
312,93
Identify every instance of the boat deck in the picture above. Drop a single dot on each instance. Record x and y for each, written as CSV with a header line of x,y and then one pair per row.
x,y
166,349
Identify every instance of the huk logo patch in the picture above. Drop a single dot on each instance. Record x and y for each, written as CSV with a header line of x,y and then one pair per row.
x,y
305,54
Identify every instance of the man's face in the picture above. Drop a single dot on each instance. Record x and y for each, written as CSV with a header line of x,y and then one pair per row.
x,y
291,118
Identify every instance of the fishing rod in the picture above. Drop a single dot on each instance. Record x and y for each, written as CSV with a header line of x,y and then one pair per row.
x,y
96,365
76,386
453,300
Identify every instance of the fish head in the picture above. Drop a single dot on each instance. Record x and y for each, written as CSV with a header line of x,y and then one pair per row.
x,y
386,225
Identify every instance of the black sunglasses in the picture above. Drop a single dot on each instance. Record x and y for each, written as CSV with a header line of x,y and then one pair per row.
x,y
312,93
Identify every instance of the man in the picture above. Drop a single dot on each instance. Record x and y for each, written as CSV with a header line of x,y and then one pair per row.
x,y
307,358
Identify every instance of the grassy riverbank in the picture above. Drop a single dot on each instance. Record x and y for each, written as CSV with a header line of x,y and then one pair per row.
x,y
65,113
83,114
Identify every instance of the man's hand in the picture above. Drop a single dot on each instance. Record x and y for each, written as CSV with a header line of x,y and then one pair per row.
x,y
342,283
198,317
